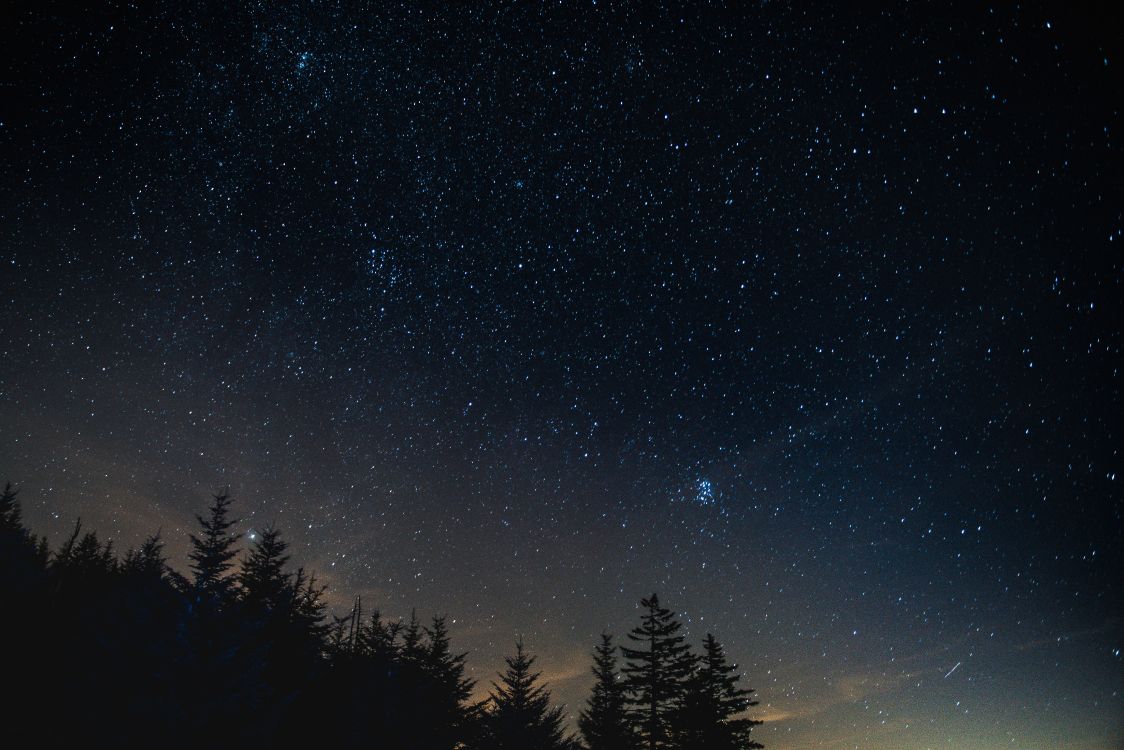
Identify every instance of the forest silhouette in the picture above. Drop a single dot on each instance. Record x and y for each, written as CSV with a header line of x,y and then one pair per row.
x,y
127,651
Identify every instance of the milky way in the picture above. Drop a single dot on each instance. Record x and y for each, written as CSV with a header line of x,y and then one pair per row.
x,y
806,320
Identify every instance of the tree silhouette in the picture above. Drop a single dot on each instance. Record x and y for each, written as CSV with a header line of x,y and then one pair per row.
x,y
130,649
213,551
148,614
223,662
23,589
284,616
519,716
605,723
147,562
656,673
263,581
308,609
412,650
23,558
713,712
450,715
11,516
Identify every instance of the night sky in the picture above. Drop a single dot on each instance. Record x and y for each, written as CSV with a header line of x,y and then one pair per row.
x,y
806,319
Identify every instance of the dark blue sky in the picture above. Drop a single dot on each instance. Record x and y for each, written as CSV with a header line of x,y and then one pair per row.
x,y
807,320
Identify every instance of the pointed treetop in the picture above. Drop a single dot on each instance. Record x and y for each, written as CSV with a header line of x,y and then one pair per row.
x,y
213,551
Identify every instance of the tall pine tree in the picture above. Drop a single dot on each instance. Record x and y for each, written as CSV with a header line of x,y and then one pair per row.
x,y
213,552
23,558
713,712
287,641
447,689
520,716
265,586
605,723
656,673
223,667
147,563
11,516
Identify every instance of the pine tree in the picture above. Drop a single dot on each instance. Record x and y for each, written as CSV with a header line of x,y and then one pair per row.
x,y
284,617
11,516
223,663
213,552
378,639
604,723
147,611
656,673
23,557
82,557
309,609
30,628
263,581
148,562
448,690
413,640
520,716
713,713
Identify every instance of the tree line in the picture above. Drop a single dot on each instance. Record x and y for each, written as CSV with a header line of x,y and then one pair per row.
x,y
127,650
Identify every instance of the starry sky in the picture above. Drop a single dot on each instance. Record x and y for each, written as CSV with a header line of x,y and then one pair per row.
x,y
807,318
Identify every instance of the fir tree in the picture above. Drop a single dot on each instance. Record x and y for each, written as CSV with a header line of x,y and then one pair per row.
x,y
11,516
263,581
412,650
23,557
604,723
378,638
713,713
447,687
285,620
309,608
656,673
148,562
520,716
223,657
28,627
82,557
213,551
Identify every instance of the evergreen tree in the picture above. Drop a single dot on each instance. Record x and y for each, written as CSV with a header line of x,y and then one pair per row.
x,y
448,690
148,610
520,716
713,712
284,617
11,516
81,558
23,558
412,650
213,552
29,650
148,562
351,693
82,621
264,584
222,656
604,723
656,673
344,642
379,638
309,608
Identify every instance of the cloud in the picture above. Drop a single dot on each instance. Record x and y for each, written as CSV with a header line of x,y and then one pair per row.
x,y
1106,627
846,690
